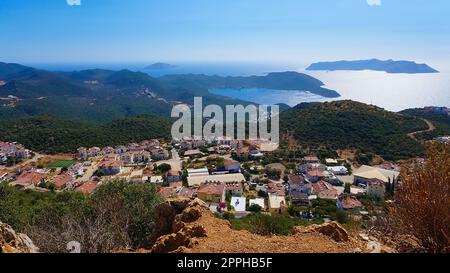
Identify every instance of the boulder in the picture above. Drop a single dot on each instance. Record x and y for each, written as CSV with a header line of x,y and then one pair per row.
x,y
332,230
12,242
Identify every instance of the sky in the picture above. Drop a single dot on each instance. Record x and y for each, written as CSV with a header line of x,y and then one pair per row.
x,y
77,31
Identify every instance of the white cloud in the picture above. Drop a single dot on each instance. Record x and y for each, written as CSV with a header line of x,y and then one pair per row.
x,y
374,2
73,2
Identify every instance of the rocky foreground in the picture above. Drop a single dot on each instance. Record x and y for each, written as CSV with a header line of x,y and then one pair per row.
x,y
12,242
190,227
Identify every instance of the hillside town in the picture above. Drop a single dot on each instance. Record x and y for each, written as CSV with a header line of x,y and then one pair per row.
x,y
233,177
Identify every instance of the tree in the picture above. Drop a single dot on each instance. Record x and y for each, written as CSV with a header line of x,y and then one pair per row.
x,y
255,208
348,188
422,201
163,168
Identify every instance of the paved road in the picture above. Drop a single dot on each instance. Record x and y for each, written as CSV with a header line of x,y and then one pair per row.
x,y
88,173
431,127
175,161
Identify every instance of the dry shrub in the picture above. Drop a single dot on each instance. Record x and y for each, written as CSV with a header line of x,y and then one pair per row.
x,y
422,203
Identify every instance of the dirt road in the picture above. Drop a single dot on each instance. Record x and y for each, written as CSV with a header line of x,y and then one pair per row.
x,y
431,128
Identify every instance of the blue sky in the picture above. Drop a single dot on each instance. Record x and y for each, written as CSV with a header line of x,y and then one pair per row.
x,y
223,30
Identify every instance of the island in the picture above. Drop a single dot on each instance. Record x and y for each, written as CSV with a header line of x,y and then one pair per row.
x,y
160,66
389,66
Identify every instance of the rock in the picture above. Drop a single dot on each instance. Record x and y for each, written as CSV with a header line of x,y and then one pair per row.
x,y
12,242
185,238
178,230
331,229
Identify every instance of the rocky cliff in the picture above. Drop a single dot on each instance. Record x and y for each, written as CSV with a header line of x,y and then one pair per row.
x,y
12,242
190,227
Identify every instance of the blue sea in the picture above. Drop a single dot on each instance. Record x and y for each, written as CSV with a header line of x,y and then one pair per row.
x,y
393,92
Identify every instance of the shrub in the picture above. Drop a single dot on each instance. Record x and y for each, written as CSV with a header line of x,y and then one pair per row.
x,y
422,202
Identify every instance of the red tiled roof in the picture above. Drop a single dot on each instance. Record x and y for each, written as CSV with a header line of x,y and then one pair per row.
x,y
350,202
60,181
87,188
315,173
212,188
311,158
30,178
325,190
296,179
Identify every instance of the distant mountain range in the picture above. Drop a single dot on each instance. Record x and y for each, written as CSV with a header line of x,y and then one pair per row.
x,y
99,95
160,66
389,66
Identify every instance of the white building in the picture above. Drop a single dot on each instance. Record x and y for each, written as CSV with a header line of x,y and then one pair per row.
x,y
238,203
196,180
258,201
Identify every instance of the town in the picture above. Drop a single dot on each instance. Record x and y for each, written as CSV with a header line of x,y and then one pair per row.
x,y
235,178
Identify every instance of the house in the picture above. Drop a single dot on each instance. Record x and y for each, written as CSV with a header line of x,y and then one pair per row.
x,y
62,181
306,167
234,188
82,153
87,187
258,201
324,190
138,176
127,158
277,204
376,188
198,172
314,175
121,149
159,154
193,153
212,192
348,202
30,179
311,159
338,170
141,156
366,173
297,183
112,167
238,203
232,166
300,198
331,162
173,176
220,178
276,189
12,150
108,150
94,152
156,179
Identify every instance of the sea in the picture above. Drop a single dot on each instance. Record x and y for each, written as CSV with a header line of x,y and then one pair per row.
x,y
394,92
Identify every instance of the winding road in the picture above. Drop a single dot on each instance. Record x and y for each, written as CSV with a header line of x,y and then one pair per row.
x,y
431,128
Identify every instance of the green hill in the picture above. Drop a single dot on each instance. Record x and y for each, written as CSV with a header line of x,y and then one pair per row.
x,y
437,115
54,135
348,124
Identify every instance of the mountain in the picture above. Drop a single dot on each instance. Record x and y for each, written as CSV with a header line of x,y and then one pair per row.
x,y
278,80
354,125
99,95
389,66
160,66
